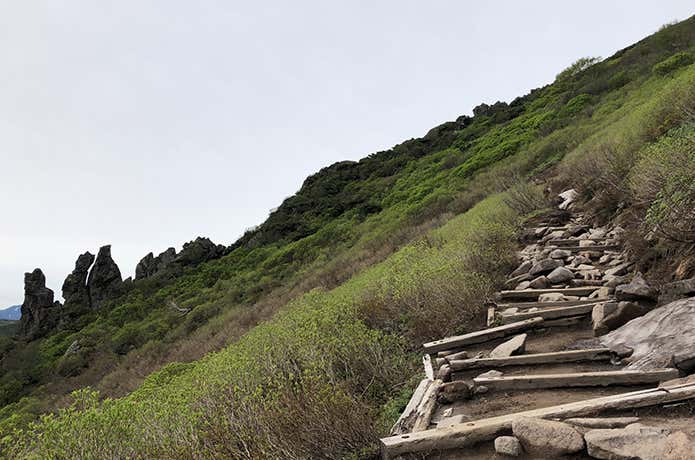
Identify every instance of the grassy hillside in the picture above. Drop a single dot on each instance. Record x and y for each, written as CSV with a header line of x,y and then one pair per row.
x,y
351,270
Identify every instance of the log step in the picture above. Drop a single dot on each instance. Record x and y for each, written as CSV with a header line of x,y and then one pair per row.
x,y
558,357
481,336
593,247
579,379
564,303
534,293
550,313
470,433
572,241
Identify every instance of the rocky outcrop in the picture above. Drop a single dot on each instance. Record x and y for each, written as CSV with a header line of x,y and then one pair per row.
x,y
151,266
75,291
170,263
637,289
661,338
104,281
40,314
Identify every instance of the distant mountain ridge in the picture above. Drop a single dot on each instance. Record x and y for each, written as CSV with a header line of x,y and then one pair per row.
x,y
13,313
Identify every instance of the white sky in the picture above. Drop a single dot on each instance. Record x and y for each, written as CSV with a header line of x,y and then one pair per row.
x,y
144,124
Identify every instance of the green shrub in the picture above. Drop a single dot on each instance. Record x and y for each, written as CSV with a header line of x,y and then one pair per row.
x,y
672,63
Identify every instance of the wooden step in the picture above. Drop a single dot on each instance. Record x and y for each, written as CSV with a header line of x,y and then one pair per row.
x,y
481,336
565,303
534,293
593,247
550,313
470,433
579,379
572,356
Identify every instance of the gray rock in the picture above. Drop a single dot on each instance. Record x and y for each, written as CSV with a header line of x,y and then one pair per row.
x,y
611,315
637,289
490,374
544,266
523,268
452,420
508,445
658,335
560,275
618,270
40,314
556,297
613,281
104,281
75,291
568,198
514,346
523,285
151,266
579,260
547,437
539,283
198,251
559,254
677,290
635,441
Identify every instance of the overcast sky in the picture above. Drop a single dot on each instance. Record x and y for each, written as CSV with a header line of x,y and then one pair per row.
x,y
143,124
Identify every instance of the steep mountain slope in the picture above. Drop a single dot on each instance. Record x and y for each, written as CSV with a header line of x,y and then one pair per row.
x,y
337,357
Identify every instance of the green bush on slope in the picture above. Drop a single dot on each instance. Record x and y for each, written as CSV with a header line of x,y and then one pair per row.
x,y
312,381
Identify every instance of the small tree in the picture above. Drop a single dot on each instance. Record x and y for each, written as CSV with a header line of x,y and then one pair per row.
x,y
576,67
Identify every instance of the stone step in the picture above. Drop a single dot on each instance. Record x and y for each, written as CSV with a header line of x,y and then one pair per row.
x,y
534,293
572,356
564,303
578,379
484,335
550,313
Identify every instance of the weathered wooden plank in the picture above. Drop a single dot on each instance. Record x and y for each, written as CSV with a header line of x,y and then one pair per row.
x,y
481,336
405,422
425,410
593,247
579,379
564,303
428,365
470,433
550,313
534,293
572,356
490,315
562,322
571,241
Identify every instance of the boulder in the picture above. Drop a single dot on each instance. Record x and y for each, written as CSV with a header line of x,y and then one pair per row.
x,y
514,346
547,437
635,441
560,275
75,291
637,289
613,281
522,269
618,270
104,281
556,297
508,445
523,285
539,283
511,282
658,336
568,197
544,266
677,290
559,254
198,251
40,314
608,316
580,259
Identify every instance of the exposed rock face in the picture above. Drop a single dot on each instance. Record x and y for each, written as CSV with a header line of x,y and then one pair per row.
x,y
661,338
637,441
39,313
198,251
150,265
75,291
552,439
104,281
